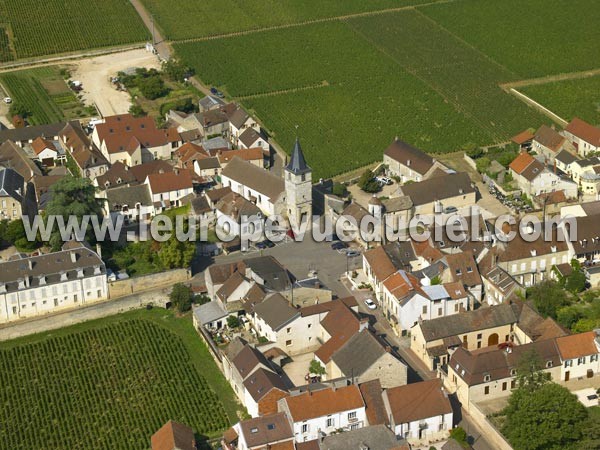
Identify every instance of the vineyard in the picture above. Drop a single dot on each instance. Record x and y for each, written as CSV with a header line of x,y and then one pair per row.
x,y
45,94
213,17
381,76
569,98
5,51
58,26
108,384
531,38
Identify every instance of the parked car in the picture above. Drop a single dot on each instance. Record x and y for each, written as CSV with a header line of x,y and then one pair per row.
x,y
450,209
261,245
370,304
352,253
384,180
7,100
338,245
215,91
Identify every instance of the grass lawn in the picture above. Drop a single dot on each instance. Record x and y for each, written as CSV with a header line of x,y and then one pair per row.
x,y
37,28
45,93
110,383
569,98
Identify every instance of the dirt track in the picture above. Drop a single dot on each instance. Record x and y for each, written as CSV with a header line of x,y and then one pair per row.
x,y
94,73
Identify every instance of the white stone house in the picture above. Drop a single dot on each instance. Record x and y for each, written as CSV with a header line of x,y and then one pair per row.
x,y
167,189
419,412
585,137
43,284
324,411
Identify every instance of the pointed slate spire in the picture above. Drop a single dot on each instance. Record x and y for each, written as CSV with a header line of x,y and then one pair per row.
x,y
297,164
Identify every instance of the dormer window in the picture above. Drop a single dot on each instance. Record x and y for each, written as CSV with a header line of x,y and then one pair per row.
x,y
513,372
548,364
487,377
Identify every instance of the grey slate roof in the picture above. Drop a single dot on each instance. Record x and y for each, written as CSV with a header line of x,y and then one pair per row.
x,y
275,277
297,164
14,157
566,157
377,437
410,156
30,133
263,381
359,353
396,204
249,137
209,312
438,188
129,195
254,177
11,184
210,102
48,268
479,319
276,311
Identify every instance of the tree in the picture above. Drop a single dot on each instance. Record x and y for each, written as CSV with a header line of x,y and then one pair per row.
x,y
181,297
548,297
483,164
175,70
567,316
72,197
530,373
153,88
136,110
575,282
549,417
316,368
368,183
233,322
460,436
339,189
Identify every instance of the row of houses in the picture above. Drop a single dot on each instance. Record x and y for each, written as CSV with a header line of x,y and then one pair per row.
x,y
565,161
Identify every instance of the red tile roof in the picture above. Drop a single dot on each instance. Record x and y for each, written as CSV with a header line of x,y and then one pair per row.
x,y
341,323
577,345
521,162
125,132
169,182
40,144
585,131
173,436
321,403
418,401
522,137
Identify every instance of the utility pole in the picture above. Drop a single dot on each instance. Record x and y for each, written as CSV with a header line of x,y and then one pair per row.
x,y
152,22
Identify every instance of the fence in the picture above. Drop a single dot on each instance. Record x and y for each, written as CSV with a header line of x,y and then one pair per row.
x,y
470,161
130,286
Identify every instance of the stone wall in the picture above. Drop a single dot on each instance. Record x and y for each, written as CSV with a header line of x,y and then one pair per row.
x,y
131,286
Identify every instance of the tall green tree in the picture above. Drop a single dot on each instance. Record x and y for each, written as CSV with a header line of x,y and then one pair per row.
x,y
181,297
530,373
548,297
72,196
546,418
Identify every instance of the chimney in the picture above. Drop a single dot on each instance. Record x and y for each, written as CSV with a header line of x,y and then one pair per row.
x,y
364,324
73,257
30,263
408,163
555,167
388,349
99,250
317,285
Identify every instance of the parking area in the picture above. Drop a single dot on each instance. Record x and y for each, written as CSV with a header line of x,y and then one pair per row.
x,y
362,198
512,203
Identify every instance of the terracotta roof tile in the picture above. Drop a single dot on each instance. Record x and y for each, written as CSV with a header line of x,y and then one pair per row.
x,y
585,131
315,404
418,401
173,436
169,182
577,345
521,162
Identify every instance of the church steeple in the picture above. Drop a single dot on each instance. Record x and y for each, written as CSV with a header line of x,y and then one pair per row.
x,y
297,164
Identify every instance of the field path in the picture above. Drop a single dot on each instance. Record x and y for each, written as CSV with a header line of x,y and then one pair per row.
x,y
550,79
160,44
308,22
322,84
